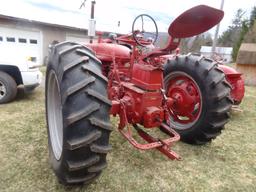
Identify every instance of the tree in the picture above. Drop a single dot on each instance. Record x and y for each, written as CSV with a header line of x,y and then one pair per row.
x,y
228,37
252,17
250,37
232,34
237,22
247,33
236,47
194,44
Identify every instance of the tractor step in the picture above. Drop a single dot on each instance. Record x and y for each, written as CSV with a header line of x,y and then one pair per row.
x,y
162,145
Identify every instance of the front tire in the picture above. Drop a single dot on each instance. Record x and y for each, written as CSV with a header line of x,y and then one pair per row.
x,y
77,110
203,98
8,88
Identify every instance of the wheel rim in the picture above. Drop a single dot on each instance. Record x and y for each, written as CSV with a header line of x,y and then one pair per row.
x,y
2,90
187,107
54,115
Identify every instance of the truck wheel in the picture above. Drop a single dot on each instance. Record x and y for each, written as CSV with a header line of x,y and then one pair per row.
x,y
77,111
8,88
202,97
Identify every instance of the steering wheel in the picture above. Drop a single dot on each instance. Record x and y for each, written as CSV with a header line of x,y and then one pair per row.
x,y
140,35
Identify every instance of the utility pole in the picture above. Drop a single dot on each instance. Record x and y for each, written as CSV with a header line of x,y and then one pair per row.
x,y
217,32
92,22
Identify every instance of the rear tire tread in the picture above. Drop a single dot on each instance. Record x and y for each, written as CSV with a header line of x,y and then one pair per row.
x,y
219,124
211,135
216,93
102,124
97,168
221,110
77,87
83,180
86,68
221,95
74,166
83,141
77,116
91,55
217,80
100,148
78,61
70,49
98,96
208,69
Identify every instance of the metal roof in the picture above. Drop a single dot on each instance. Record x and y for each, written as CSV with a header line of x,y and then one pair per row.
x,y
11,18
249,47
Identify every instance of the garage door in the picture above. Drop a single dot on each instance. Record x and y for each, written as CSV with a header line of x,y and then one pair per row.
x,y
21,43
77,39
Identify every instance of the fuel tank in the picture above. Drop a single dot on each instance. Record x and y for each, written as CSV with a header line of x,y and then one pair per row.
x,y
107,51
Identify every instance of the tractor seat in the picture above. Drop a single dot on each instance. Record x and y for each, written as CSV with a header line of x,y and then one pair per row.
x,y
171,45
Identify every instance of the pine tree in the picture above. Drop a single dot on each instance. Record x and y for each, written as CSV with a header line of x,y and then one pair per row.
x,y
230,37
247,33
236,47
253,17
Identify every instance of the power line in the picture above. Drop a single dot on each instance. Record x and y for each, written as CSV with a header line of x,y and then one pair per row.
x,y
83,4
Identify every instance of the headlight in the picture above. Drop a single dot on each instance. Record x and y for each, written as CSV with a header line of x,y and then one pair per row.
x,y
31,61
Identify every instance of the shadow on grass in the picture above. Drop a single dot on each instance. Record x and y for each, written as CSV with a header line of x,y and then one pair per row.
x,y
75,187
26,96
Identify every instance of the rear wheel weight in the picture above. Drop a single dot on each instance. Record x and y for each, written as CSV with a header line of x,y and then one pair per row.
x,y
208,83
71,76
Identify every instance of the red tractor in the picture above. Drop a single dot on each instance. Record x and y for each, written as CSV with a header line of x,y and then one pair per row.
x,y
186,96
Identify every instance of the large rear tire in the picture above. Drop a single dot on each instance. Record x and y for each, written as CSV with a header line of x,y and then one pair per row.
x,y
204,96
77,111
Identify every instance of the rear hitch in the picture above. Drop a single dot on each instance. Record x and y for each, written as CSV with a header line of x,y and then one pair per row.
x,y
162,145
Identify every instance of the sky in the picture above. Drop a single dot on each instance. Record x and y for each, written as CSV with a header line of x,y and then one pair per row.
x,y
109,12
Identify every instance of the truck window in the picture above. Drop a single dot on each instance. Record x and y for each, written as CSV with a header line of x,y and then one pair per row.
x,y
33,41
22,40
1,38
10,39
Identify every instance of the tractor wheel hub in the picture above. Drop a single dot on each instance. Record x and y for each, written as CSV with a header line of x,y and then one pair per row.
x,y
186,97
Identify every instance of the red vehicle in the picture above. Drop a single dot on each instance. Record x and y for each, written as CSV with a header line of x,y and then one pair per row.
x,y
186,96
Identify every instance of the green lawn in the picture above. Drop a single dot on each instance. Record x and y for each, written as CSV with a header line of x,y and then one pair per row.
x,y
43,70
227,164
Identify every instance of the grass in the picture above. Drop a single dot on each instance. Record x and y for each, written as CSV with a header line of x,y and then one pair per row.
x,y
43,70
227,164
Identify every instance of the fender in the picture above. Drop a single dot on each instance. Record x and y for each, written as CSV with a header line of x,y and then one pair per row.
x,y
236,81
13,71
195,21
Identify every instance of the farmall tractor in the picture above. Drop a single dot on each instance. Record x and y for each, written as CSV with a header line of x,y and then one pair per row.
x,y
186,96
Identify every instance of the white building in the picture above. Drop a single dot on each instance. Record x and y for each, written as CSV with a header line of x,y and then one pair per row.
x,y
222,53
34,37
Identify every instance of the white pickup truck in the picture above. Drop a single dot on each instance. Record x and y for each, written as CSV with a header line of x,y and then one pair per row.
x,y
17,68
